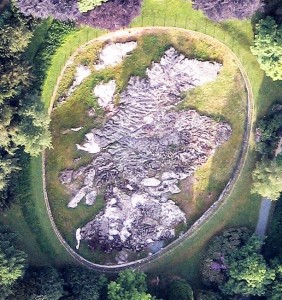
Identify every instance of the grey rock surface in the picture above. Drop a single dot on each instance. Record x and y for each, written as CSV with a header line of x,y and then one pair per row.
x,y
142,153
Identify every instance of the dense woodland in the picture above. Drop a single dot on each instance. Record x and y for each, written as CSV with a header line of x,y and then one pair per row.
x,y
235,262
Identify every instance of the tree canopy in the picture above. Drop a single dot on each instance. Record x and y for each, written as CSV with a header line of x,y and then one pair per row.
x,y
267,178
248,273
130,285
111,14
12,261
84,284
214,264
268,47
179,289
218,10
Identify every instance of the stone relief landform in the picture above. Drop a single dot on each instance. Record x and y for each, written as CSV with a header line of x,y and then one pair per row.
x,y
141,154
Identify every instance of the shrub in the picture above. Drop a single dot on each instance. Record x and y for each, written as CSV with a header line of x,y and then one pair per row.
x,y
113,14
218,10
268,47
62,10
85,5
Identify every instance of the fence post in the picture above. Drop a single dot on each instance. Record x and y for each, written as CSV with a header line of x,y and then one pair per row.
x,y
175,20
164,19
142,20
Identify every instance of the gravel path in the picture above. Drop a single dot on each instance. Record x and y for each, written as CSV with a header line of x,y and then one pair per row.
x,y
264,214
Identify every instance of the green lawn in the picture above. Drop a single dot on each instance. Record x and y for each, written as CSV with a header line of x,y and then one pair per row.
x,y
241,208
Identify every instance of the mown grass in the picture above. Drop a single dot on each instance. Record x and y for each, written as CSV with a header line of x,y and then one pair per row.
x,y
218,99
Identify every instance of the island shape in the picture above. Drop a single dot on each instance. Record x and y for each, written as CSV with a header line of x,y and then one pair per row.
x,y
143,151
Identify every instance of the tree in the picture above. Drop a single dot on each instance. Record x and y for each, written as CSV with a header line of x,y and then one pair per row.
x,y
267,178
61,10
33,130
130,285
248,273
112,14
39,284
214,265
84,284
268,47
85,5
179,289
12,261
268,131
218,10
275,290
209,295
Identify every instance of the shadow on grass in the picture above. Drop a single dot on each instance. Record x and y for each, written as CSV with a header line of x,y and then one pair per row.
x,y
269,92
237,34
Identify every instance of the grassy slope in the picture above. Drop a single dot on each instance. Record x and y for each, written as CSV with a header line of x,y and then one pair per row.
x,y
238,35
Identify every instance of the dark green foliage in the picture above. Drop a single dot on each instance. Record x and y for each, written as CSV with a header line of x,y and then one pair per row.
x,y
130,285
268,47
12,261
23,119
214,265
269,130
248,273
267,178
84,284
55,37
273,242
32,131
179,289
209,295
43,283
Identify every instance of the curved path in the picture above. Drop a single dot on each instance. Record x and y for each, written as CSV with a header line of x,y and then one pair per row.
x,y
210,212
264,215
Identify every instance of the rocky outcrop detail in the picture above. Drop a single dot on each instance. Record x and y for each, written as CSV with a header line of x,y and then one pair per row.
x,y
82,72
105,94
142,153
113,54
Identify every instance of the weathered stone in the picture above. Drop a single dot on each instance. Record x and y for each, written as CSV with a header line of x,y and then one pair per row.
x,y
91,197
105,94
142,153
113,54
150,182
66,176
78,237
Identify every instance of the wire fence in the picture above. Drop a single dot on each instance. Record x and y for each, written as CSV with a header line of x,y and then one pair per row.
x,y
225,193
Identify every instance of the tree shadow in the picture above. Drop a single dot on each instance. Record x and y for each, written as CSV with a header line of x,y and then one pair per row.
x,y
269,92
